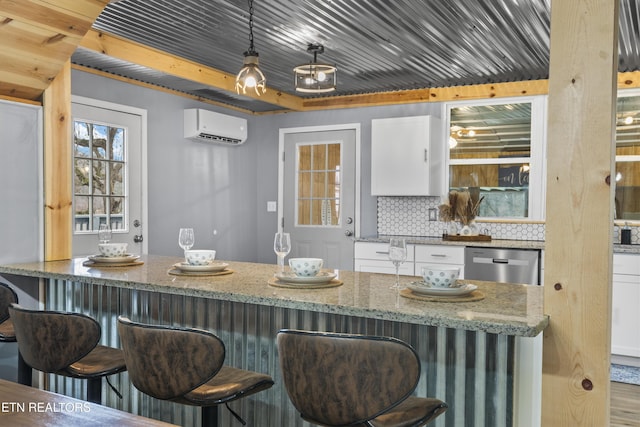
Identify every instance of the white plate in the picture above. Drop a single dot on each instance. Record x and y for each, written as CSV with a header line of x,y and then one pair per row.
x,y
216,266
113,259
423,289
322,277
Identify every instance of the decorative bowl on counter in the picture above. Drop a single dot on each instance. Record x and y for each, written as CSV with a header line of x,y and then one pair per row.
x,y
200,256
112,249
440,276
306,267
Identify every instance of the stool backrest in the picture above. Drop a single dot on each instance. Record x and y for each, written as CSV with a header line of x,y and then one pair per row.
x,y
51,340
7,297
166,362
343,379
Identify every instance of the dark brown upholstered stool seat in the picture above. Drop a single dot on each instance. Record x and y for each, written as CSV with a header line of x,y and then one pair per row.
x,y
357,380
65,344
7,297
185,365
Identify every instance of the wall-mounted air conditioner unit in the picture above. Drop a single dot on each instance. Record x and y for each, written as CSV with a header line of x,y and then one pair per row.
x,y
204,125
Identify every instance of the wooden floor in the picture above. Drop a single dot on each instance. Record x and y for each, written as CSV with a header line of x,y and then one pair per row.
x,y
625,405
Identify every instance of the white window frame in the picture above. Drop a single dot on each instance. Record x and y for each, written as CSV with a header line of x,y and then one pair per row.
x,y
536,160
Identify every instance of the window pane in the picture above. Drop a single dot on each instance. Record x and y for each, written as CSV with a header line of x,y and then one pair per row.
x,y
304,157
99,177
117,213
100,208
627,195
81,176
333,157
117,144
304,185
81,139
116,179
490,131
503,187
319,157
319,188
100,141
81,208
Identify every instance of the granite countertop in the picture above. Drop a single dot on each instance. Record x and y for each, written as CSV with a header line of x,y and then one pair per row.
x,y
507,309
495,243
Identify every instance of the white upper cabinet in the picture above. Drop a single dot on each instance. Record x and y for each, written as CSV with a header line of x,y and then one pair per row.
x,y
407,157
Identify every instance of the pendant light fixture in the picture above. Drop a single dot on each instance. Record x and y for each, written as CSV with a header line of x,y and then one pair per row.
x,y
250,76
315,77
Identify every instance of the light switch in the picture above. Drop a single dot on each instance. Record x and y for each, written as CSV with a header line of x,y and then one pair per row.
x,y
272,206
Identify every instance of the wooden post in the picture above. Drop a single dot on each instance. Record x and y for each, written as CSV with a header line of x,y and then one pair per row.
x,y
57,167
579,218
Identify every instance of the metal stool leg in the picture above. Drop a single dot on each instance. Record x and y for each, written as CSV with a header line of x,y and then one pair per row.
x,y
94,390
210,416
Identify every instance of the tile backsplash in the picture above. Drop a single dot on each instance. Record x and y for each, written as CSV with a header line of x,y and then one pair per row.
x,y
409,216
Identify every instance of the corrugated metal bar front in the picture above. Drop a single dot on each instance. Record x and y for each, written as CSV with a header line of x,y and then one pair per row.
x,y
471,371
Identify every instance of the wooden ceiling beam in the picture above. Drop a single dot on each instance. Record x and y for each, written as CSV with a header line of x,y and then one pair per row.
x,y
136,53
37,37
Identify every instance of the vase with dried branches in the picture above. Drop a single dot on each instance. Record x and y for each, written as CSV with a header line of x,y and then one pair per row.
x,y
461,206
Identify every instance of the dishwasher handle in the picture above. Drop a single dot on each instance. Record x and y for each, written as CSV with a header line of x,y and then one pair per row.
x,y
500,261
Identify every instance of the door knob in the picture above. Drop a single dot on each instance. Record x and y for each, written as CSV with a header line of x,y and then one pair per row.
x,y
348,233
138,238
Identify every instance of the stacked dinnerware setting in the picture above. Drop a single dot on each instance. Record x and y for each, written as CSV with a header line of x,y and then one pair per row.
x,y
201,261
441,281
305,271
113,253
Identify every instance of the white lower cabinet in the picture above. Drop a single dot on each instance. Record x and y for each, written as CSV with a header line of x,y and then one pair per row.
x,y
625,307
443,255
374,258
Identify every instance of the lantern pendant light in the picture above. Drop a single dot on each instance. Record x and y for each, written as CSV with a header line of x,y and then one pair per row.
x,y
250,76
315,77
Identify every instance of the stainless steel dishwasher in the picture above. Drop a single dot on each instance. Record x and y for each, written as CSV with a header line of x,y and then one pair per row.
x,y
502,265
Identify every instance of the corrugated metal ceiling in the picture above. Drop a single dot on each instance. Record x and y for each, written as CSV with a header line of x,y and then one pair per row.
x,y
378,45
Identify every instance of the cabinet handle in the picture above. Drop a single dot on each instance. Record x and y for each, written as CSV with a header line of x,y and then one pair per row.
x,y
382,253
425,155
439,255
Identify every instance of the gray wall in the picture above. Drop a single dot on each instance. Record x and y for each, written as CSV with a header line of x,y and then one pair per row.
x,y
20,210
212,187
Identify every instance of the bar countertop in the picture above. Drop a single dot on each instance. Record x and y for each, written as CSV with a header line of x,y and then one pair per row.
x,y
507,309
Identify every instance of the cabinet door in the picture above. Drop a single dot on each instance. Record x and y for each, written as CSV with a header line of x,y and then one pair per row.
x,y
407,157
625,315
373,266
374,258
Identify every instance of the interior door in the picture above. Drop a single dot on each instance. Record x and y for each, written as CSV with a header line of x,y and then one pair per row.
x,y
107,175
319,195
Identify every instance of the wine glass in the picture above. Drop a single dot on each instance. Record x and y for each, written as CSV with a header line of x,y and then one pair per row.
x,y
397,255
282,247
186,238
104,233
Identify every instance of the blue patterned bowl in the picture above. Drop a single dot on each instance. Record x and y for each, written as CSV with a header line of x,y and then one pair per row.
x,y
200,256
440,276
306,267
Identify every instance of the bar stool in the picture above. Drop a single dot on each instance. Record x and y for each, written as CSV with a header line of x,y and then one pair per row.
x,y
65,344
7,297
347,379
185,365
